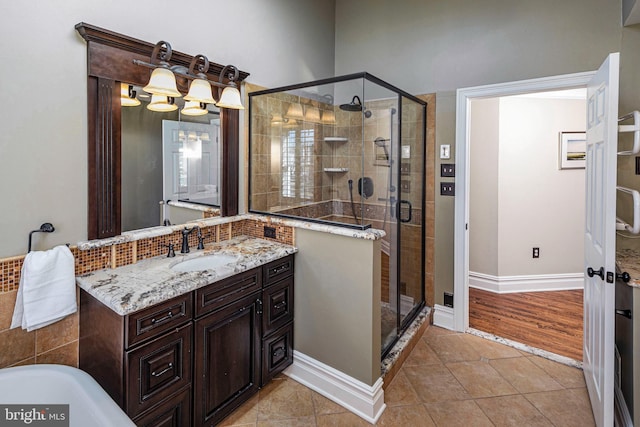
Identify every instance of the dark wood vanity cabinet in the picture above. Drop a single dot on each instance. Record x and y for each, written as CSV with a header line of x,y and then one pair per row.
x,y
194,359
143,360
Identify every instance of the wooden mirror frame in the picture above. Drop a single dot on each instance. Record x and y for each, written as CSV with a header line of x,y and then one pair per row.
x,y
110,61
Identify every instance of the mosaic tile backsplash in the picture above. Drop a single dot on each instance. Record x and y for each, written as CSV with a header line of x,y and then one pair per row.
x,y
128,253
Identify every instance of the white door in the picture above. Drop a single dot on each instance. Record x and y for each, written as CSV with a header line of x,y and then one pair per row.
x,y
599,238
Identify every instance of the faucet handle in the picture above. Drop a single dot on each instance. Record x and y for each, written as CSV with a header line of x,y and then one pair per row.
x,y
172,251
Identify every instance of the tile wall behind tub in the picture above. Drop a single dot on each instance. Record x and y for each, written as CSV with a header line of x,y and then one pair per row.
x,y
58,343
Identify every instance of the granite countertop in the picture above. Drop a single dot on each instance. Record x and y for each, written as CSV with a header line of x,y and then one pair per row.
x,y
629,260
136,286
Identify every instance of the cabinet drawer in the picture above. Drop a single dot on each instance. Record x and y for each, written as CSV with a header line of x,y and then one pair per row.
x,y
153,321
277,270
226,291
278,305
277,353
175,412
158,369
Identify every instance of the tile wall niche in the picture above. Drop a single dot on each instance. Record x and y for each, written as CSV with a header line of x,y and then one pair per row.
x,y
58,343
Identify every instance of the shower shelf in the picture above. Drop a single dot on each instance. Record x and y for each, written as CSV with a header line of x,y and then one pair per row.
x,y
336,170
335,139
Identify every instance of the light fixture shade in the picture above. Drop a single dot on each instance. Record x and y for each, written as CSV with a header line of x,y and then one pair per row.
x,y
294,112
162,82
161,104
312,114
276,119
200,91
126,100
328,117
230,98
193,108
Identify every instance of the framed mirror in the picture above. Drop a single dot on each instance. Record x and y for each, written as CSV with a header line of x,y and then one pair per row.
x,y
110,60
166,156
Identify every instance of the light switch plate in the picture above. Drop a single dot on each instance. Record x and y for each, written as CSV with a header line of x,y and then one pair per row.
x,y
445,151
406,151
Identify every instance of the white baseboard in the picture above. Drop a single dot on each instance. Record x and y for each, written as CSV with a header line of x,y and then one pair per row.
x,y
531,283
443,317
363,400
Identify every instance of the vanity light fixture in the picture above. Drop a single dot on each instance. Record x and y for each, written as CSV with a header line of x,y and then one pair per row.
x,y
276,119
328,117
230,97
312,114
163,79
200,88
294,112
194,108
128,96
162,103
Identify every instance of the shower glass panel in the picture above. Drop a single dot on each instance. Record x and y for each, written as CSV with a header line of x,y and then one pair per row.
x,y
348,151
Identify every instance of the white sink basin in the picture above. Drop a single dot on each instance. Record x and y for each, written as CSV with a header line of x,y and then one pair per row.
x,y
204,263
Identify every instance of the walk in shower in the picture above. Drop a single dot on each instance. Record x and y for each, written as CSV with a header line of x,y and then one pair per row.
x,y
348,151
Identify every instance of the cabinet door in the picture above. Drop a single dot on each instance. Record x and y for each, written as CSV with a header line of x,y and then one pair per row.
x,y
278,306
175,412
277,353
158,369
227,359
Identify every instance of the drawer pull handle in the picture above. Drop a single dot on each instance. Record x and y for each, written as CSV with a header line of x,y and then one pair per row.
x,y
279,268
164,371
278,351
162,319
281,304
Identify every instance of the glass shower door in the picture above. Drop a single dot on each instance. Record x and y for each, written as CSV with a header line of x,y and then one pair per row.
x,y
411,188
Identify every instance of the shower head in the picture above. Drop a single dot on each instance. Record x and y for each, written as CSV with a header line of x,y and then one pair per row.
x,y
381,142
354,105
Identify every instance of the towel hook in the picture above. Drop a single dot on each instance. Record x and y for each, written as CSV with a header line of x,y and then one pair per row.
x,y
47,227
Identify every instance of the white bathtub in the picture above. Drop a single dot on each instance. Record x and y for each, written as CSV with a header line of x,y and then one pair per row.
x,y
89,404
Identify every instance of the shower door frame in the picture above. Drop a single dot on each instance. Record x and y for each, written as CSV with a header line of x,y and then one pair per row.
x,y
402,322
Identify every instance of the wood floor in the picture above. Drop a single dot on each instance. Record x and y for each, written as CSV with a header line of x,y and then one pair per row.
x,y
551,321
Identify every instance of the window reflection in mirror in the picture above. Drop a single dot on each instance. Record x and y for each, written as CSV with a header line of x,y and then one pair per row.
x,y
167,156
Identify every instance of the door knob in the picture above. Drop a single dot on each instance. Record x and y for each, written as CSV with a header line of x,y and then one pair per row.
x,y
625,313
625,277
591,272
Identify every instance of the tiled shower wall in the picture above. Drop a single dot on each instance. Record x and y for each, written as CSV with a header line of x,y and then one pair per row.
x,y
58,343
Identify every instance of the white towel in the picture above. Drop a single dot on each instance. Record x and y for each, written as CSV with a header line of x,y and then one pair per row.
x,y
47,291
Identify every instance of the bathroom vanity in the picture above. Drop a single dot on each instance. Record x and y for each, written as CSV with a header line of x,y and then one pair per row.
x,y
188,348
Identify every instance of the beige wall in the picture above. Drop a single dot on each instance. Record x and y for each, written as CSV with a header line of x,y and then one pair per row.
x,y
483,196
43,146
519,199
441,46
539,205
337,302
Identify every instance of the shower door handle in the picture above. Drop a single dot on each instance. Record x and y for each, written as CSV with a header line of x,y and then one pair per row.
x,y
406,202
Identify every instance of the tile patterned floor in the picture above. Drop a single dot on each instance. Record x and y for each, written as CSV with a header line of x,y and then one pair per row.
x,y
449,379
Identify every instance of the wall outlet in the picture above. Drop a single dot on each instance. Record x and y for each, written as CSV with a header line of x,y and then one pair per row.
x,y
536,252
447,189
269,232
448,170
448,299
